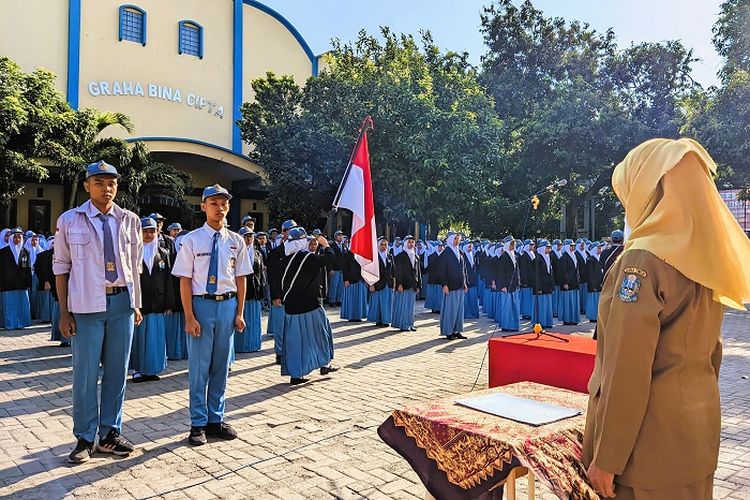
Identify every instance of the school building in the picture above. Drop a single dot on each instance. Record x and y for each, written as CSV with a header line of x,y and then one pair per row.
x,y
180,69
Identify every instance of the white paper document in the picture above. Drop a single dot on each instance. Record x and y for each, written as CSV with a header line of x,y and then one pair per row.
x,y
522,410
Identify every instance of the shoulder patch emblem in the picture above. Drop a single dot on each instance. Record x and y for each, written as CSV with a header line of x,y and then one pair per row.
x,y
635,270
629,288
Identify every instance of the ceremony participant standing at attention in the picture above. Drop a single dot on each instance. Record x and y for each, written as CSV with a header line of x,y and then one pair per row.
x,y
165,241
15,282
526,272
381,302
471,305
487,270
33,246
496,296
570,309
97,263
308,338
653,426
595,276
261,242
248,221
148,356
422,252
336,276
212,266
609,255
555,256
249,339
47,283
507,281
275,271
354,305
434,295
543,286
452,271
582,257
408,282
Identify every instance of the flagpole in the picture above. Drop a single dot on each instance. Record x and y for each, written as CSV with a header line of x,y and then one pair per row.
x,y
366,125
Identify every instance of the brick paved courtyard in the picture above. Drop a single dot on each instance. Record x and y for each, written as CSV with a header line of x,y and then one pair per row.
x,y
313,441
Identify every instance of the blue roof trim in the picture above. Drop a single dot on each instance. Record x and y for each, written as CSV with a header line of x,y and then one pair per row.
x,y
300,39
74,52
189,140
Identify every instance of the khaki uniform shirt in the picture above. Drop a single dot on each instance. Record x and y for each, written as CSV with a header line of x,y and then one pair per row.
x,y
654,416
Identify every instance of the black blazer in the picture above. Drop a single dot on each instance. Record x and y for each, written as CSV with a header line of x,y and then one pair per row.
x,y
256,282
433,269
386,272
526,270
14,276
582,269
43,270
452,270
609,256
558,271
568,273
408,276
157,286
595,274
543,279
351,270
506,274
275,270
472,272
339,254
303,295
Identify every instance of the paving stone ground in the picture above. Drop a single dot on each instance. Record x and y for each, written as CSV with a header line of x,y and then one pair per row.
x,y
307,442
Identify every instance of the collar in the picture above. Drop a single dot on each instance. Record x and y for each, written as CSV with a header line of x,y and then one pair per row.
x,y
211,231
91,211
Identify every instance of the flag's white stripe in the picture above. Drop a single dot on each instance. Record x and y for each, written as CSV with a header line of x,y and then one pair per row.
x,y
352,195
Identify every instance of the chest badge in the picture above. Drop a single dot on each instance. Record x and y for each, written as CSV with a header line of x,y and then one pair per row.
x,y
629,288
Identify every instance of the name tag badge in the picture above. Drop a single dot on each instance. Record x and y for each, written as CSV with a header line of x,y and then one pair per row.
x,y
161,264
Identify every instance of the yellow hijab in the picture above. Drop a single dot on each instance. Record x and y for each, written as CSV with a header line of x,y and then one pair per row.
x,y
675,212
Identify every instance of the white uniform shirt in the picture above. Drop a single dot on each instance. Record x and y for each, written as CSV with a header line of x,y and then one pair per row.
x,y
194,258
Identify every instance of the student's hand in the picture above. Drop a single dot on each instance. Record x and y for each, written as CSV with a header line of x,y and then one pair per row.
x,y
494,287
192,327
346,284
276,302
446,290
504,290
167,311
401,288
47,286
137,316
602,481
565,287
67,325
372,288
466,288
330,273
239,323
322,241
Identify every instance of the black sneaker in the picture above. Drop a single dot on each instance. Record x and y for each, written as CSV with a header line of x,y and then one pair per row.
x,y
325,370
458,336
82,452
197,436
297,381
115,443
278,359
221,430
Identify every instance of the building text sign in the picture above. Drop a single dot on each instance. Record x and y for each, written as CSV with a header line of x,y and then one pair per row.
x,y
100,88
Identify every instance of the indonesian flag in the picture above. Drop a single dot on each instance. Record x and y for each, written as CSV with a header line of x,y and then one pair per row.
x,y
355,194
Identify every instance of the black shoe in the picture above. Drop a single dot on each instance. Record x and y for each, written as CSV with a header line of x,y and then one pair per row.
x,y
221,430
82,452
403,330
449,337
278,359
458,336
197,436
297,381
412,329
115,443
592,321
64,344
325,370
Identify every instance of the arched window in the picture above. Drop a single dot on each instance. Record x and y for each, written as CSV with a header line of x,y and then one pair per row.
x,y
191,39
132,24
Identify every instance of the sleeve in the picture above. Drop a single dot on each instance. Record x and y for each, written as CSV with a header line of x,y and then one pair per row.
x,y
62,262
183,263
326,259
243,266
630,336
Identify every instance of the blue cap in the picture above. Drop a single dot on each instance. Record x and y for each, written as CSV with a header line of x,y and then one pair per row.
x,y
101,168
247,218
338,232
244,231
317,232
617,236
273,230
543,243
288,224
557,242
296,233
507,239
262,233
408,237
215,190
16,230
174,225
382,238
568,242
148,223
157,216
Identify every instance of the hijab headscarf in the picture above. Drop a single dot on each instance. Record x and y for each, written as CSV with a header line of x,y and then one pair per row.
x,y
571,253
454,248
511,253
149,253
545,257
16,249
666,187
33,250
3,243
294,246
411,252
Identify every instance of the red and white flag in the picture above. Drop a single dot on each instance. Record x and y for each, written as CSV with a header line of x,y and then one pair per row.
x,y
355,194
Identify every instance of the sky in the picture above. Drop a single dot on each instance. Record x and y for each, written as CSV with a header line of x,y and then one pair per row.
x,y
455,23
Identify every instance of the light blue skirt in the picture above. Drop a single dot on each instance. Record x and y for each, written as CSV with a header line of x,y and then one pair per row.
x,y
249,339
583,294
403,309
471,305
452,313
275,327
2,311
149,352
176,337
555,301
308,343
354,306
526,296
422,295
497,308
336,288
488,304
34,297
480,287
434,297
570,309
55,319
542,311
44,305
381,306
592,305
509,307
16,309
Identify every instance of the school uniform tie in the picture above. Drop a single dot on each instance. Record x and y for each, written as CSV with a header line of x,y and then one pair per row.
x,y
110,269
213,267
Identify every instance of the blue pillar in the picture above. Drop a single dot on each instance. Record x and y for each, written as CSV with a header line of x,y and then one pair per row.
x,y
74,51
237,60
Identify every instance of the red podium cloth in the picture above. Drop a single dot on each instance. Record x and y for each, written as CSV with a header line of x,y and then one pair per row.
x,y
545,360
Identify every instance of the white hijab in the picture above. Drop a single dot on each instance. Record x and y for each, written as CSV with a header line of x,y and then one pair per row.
x,y
511,254
410,252
149,253
545,256
572,255
3,244
295,246
449,243
16,249
529,252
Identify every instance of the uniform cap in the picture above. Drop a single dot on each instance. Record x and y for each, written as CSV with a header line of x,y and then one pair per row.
x,y
244,231
288,224
617,236
101,168
296,233
247,218
174,225
157,216
215,190
148,223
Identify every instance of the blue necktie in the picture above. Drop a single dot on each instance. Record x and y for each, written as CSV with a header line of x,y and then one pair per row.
x,y
213,267
110,268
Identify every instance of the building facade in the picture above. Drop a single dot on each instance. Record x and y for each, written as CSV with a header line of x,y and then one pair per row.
x,y
180,69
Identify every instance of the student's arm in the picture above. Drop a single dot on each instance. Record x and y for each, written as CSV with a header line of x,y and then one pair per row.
x,y
67,323
239,319
192,327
